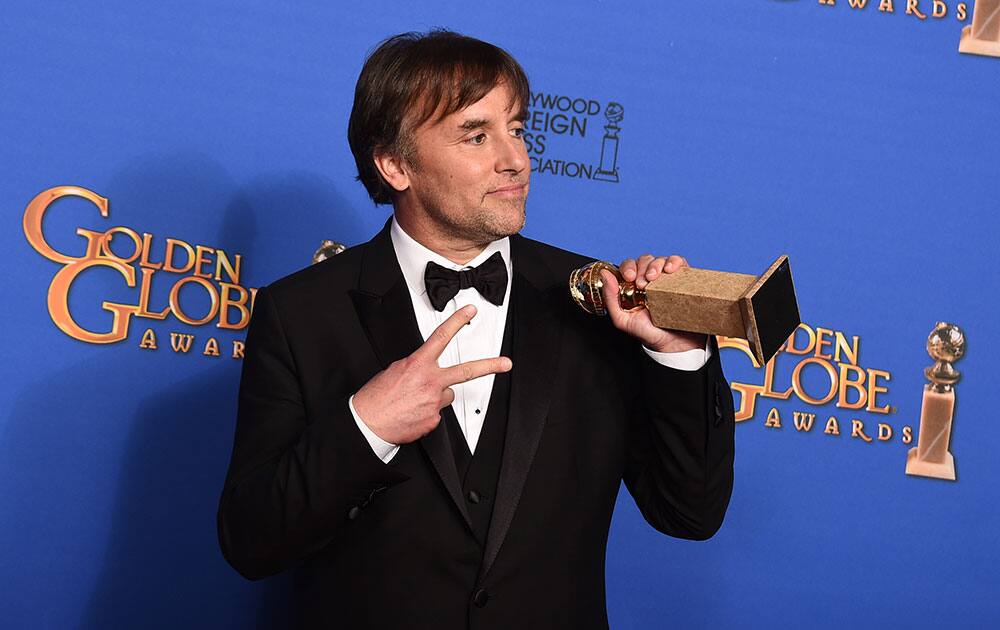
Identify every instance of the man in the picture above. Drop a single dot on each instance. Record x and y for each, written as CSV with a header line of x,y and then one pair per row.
x,y
430,433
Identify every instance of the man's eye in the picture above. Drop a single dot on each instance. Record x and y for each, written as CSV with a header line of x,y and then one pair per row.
x,y
477,139
518,132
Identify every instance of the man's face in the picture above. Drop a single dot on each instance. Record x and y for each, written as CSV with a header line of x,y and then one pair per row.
x,y
468,175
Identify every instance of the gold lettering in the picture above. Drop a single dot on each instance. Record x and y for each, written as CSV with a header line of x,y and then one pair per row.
x,y
803,421
168,260
240,304
857,4
874,389
222,262
748,400
199,260
940,9
886,6
175,303
821,341
960,14
851,352
145,287
790,347
884,432
773,419
181,342
858,430
913,8
35,212
907,434
110,234
832,426
800,390
237,349
857,385
58,302
147,245
148,341
211,348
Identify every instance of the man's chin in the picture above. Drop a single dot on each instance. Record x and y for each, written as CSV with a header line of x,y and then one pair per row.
x,y
511,226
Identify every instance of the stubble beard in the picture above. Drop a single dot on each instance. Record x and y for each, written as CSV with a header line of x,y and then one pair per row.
x,y
481,225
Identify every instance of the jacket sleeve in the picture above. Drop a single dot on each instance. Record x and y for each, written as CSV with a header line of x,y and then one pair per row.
x,y
294,479
681,447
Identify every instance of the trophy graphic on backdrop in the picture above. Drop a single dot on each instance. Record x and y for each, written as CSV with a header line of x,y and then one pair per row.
x,y
608,170
931,457
761,309
982,37
327,249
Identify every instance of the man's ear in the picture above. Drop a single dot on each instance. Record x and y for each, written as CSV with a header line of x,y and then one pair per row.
x,y
393,168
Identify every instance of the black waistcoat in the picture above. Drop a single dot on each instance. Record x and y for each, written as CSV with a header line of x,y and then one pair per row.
x,y
479,472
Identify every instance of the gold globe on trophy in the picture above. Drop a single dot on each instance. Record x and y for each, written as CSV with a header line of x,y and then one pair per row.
x,y
932,457
328,249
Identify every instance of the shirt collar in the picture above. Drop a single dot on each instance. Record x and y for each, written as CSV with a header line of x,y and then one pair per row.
x,y
413,257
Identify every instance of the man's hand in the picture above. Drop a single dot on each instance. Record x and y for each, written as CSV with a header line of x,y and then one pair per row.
x,y
638,323
403,402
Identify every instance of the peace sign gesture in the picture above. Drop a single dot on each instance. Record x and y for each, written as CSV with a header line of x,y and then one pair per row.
x,y
403,402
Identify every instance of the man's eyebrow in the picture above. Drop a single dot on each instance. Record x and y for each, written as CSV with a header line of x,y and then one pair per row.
x,y
474,123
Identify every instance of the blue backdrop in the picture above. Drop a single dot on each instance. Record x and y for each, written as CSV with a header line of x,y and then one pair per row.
x,y
858,141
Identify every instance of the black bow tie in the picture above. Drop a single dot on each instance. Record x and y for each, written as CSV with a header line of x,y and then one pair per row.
x,y
489,278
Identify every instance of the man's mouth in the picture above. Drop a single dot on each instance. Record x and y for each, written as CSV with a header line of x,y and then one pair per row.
x,y
514,190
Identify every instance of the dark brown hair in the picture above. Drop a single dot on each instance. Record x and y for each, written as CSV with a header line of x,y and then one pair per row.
x,y
411,76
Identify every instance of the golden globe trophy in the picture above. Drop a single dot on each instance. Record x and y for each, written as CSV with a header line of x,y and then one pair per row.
x,y
931,457
327,249
761,309
982,37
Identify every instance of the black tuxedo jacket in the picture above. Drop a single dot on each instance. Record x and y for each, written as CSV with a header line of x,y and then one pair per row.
x,y
377,545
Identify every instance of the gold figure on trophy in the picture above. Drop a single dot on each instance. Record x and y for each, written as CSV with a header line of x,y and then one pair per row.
x,y
931,457
982,37
761,309
327,249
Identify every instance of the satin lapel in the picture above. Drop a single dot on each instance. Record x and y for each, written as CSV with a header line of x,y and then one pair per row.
x,y
535,354
385,311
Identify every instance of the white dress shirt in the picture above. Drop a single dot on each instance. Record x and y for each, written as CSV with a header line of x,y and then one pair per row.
x,y
481,339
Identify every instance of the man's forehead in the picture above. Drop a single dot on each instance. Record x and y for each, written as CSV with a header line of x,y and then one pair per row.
x,y
470,116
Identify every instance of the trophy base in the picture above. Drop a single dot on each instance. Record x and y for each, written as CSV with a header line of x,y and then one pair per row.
x,y
607,176
769,310
918,467
972,46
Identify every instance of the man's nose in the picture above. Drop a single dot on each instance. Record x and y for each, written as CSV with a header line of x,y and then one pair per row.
x,y
511,155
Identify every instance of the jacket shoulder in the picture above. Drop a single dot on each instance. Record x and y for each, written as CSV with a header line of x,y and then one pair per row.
x,y
560,261
335,274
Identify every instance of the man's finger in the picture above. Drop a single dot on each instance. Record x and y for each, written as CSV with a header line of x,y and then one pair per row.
x,y
650,271
443,334
609,290
627,268
674,263
474,369
447,397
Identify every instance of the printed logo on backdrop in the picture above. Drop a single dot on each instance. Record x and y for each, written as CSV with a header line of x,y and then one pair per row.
x,y
817,366
982,37
204,289
574,137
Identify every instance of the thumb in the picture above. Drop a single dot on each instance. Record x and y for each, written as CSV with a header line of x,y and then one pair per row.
x,y
609,290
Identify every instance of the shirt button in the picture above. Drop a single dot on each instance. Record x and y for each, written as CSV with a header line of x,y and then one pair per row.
x,y
481,597
478,411
353,512
474,496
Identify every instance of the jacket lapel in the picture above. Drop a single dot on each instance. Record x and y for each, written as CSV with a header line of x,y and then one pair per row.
x,y
385,311
535,354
